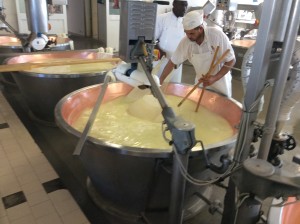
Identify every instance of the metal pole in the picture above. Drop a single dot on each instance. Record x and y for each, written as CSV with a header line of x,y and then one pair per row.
x,y
280,80
92,117
261,59
177,189
183,138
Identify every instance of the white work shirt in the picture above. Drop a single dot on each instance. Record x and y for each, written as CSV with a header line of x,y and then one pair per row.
x,y
188,50
169,30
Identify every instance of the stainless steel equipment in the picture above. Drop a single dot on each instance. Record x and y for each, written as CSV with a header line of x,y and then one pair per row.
x,y
137,22
37,16
232,17
43,91
240,47
128,181
10,46
259,178
37,40
37,19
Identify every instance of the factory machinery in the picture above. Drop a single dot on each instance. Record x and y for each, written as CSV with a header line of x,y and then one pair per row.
x,y
236,19
259,177
37,16
254,174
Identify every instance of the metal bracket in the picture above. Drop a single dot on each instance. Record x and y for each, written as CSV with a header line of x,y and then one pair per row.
x,y
261,178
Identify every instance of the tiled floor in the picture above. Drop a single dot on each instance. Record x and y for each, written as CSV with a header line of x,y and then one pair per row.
x,y
30,189
41,182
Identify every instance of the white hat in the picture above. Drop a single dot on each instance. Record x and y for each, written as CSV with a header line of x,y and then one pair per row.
x,y
192,20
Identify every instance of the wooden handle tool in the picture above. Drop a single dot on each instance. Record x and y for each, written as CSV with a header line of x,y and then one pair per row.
x,y
200,81
189,93
212,68
31,65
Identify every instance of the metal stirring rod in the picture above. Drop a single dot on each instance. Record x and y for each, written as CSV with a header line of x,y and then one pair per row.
x,y
92,117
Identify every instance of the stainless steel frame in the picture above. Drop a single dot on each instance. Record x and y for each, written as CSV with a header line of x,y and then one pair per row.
x,y
132,180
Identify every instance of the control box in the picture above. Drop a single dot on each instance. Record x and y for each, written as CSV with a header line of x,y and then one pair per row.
x,y
137,22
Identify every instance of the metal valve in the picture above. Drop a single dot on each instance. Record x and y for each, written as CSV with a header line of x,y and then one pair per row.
x,y
39,42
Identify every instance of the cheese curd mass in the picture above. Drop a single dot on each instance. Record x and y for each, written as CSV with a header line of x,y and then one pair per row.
x,y
115,125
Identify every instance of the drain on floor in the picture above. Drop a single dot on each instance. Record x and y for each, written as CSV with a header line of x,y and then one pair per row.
x,y
14,199
53,185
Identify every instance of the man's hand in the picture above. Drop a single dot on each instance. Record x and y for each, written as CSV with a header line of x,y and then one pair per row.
x,y
207,80
167,70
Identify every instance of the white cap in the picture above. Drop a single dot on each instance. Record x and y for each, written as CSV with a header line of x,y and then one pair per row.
x,y
192,19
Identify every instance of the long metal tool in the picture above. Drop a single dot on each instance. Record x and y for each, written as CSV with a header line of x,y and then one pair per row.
x,y
92,117
183,137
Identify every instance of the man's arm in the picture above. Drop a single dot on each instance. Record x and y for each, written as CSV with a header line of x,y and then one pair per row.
x,y
207,81
167,70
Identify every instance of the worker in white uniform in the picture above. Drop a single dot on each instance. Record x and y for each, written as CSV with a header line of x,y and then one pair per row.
x,y
169,32
198,46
